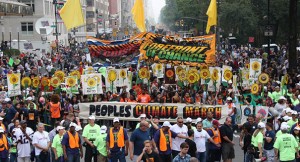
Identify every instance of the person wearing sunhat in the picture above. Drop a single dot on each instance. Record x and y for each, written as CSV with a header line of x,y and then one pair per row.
x,y
286,145
90,133
71,144
56,144
163,139
117,143
100,144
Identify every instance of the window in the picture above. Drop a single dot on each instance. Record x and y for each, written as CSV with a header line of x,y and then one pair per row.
x,y
90,14
29,3
27,28
90,3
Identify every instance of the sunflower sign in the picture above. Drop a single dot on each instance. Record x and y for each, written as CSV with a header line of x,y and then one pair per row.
x,y
226,73
89,84
245,78
255,68
71,85
180,72
170,76
215,79
123,77
158,70
13,83
111,79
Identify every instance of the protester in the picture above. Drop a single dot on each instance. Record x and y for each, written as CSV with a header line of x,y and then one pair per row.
x,y
100,144
182,155
227,141
56,144
192,145
214,153
41,142
4,146
178,128
24,137
269,142
148,154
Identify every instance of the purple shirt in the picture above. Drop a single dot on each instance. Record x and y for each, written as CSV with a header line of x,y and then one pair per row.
x,y
157,137
65,141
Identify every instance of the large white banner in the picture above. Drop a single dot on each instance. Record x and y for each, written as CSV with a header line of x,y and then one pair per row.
x,y
166,112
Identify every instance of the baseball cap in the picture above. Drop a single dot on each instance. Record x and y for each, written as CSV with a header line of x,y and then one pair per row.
x,y
103,129
261,125
1,118
229,98
73,124
198,120
59,128
78,128
116,120
297,128
215,122
298,75
286,118
143,116
288,110
294,112
23,122
7,100
92,117
29,98
284,126
188,120
282,98
166,124
1,130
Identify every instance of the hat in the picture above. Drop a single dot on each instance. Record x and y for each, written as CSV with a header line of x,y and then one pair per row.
x,y
277,86
286,118
29,98
143,116
282,98
92,117
116,120
261,125
215,122
294,112
15,129
23,122
1,130
7,99
298,75
198,120
78,128
284,126
59,128
297,128
166,124
73,124
103,129
188,120
288,110
229,99
1,118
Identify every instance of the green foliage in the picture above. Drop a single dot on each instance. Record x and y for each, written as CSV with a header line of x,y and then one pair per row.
x,y
11,52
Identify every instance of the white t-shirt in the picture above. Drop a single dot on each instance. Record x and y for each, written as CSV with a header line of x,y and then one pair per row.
x,y
178,141
230,109
23,147
200,139
41,139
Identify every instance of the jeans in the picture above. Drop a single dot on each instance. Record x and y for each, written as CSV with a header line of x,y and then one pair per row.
x,y
3,159
120,155
60,159
47,121
201,156
233,119
73,158
38,159
90,153
166,158
13,157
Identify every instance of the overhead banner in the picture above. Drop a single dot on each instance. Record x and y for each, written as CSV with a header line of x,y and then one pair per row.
x,y
166,112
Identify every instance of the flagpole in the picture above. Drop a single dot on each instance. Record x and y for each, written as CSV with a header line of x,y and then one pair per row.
x,y
56,29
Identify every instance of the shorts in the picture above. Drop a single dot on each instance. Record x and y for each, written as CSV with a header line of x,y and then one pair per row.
x,y
227,151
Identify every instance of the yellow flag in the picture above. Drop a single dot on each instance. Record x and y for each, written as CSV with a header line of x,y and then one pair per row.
x,y
138,15
212,15
71,14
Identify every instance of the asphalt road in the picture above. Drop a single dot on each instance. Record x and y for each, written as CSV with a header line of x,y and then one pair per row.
x,y
239,155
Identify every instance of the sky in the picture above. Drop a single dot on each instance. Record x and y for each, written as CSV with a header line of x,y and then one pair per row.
x,y
157,5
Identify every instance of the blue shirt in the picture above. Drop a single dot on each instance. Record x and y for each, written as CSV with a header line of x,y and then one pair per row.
x,y
157,137
269,146
178,158
152,131
65,141
115,132
138,137
10,113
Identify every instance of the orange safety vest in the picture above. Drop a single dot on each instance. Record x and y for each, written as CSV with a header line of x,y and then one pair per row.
x,y
163,142
217,140
55,110
120,138
74,141
3,141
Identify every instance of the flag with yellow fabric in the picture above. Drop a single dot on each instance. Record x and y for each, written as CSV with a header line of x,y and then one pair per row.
x,y
71,14
212,15
138,15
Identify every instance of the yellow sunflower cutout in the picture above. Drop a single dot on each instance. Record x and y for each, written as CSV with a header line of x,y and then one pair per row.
x,y
143,73
263,78
14,79
60,74
169,73
204,74
227,75
98,79
71,81
193,70
178,70
285,79
191,78
75,73
254,88
45,81
255,66
247,66
36,82
90,70
112,75
203,67
182,75
91,82
215,75
26,82
123,74
247,76
55,82
158,67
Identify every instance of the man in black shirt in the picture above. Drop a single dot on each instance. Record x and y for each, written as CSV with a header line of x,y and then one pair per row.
x,y
32,117
148,154
191,143
227,141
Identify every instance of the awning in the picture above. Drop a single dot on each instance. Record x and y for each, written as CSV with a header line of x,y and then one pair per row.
x,y
11,8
